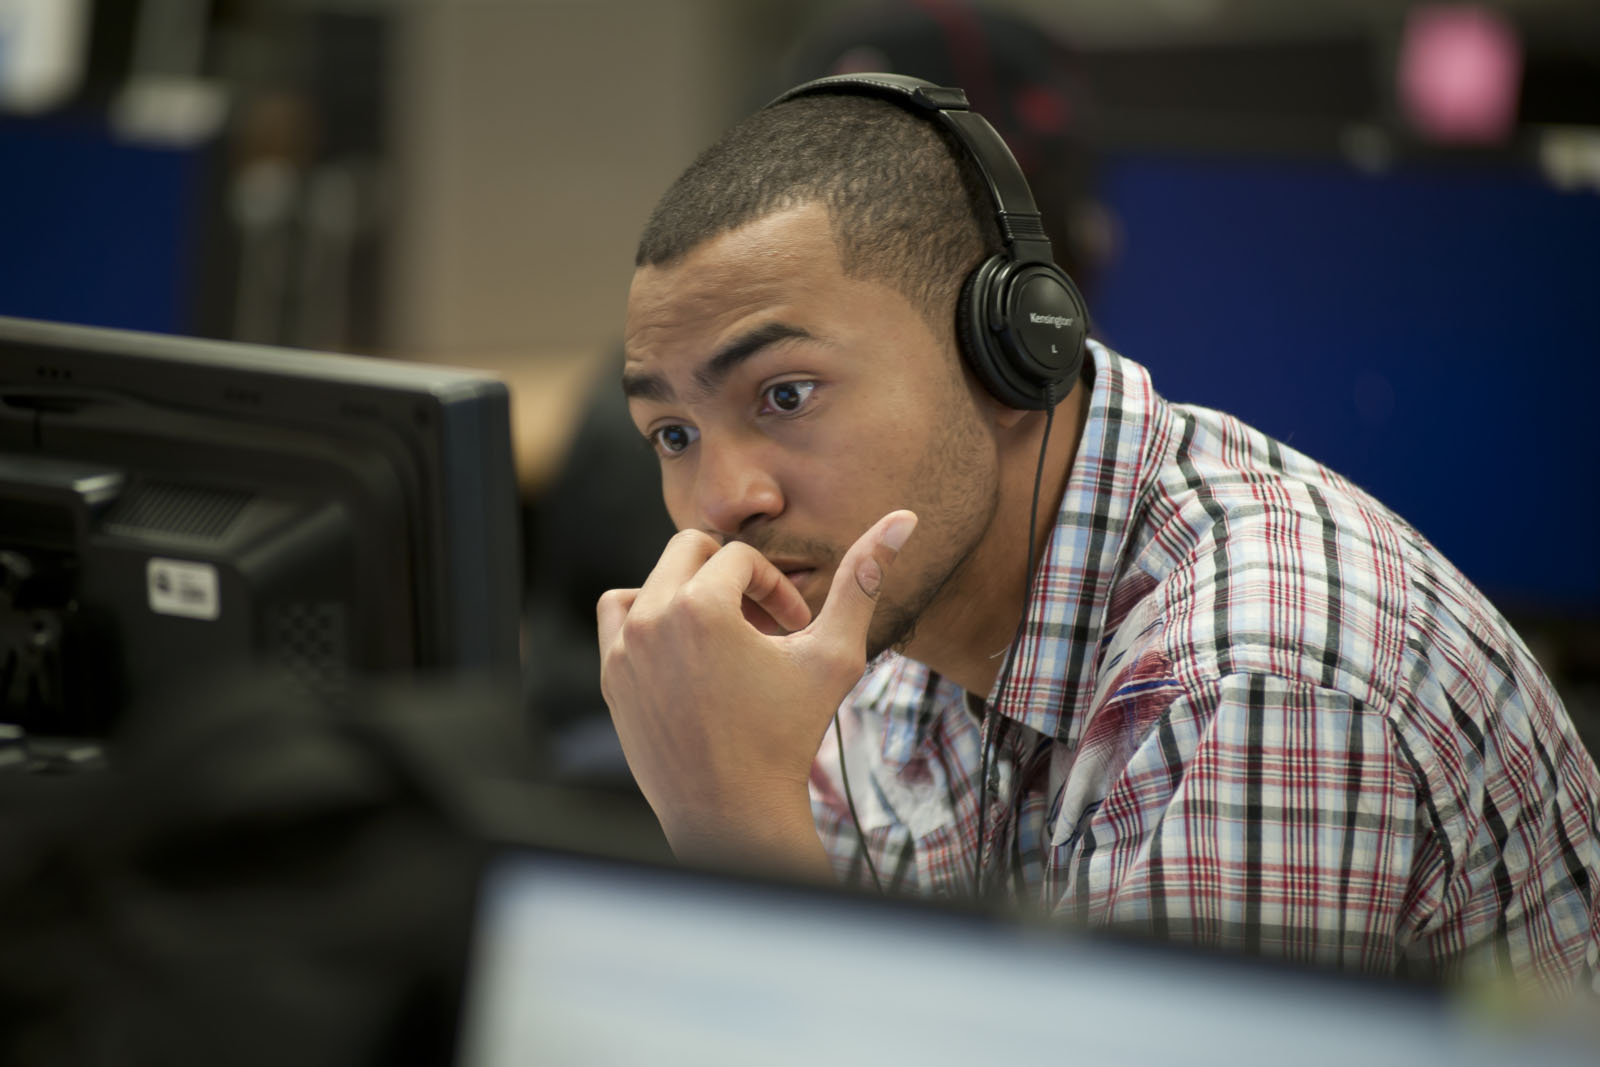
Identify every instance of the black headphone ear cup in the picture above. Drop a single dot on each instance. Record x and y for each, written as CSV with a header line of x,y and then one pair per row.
x,y
1043,324
968,339
990,351
982,346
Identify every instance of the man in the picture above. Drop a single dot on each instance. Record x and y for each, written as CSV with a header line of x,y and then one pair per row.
x,y
594,526
1242,703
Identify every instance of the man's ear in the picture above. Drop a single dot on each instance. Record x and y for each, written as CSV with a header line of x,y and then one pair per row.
x,y
1001,415
995,411
1007,417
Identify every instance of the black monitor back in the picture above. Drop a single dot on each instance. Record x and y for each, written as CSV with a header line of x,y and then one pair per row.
x,y
170,506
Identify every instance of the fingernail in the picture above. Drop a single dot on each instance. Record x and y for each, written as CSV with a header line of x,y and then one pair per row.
x,y
899,528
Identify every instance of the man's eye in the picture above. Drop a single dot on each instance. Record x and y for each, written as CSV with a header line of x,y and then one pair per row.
x,y
670,440
787,397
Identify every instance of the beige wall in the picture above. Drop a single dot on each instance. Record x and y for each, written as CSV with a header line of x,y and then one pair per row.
x,y
531,138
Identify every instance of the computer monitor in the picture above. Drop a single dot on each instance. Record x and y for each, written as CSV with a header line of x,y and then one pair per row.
x,y
172,506
582,960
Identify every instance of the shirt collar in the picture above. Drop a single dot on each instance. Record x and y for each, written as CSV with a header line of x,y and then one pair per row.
x,y
907,696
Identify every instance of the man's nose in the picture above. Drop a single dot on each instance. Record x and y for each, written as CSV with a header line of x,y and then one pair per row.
x,y
735,488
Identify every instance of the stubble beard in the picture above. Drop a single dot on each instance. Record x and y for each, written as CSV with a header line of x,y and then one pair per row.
x,y
959,514
894,623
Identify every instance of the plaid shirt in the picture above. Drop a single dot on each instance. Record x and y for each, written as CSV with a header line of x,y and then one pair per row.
x,y
1250,708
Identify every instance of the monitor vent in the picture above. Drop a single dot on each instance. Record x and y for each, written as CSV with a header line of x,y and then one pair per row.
x,y
308,642
192,511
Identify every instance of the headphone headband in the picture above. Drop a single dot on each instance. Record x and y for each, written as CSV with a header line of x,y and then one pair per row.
x,y
1015,211
1020,320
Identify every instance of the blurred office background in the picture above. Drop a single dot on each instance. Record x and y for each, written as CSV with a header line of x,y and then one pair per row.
x,y
1370,227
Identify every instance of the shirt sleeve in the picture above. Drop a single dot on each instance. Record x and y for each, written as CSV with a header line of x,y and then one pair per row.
x,y
1265,815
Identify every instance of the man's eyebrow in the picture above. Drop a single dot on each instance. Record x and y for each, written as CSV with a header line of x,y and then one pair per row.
x,y
644,386
710,375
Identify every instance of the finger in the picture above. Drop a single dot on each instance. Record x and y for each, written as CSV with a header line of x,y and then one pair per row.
x,y
853,597
741,571
610,611
762,621
683,557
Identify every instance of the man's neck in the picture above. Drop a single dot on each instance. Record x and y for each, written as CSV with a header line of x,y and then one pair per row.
x,y
964,634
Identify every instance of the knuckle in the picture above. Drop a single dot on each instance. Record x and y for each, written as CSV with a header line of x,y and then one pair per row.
x,y
695,603
697,539
869,577
614,665
740,548
637,627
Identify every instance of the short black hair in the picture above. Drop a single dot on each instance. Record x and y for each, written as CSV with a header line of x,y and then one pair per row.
x,y
906,206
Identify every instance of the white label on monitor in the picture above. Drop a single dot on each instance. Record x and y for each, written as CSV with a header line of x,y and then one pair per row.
x,y
180,587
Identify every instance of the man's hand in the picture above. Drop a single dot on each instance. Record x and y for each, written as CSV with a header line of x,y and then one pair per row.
x,y
719,720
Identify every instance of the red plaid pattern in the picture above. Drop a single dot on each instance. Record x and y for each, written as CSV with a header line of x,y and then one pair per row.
x,y
1251,708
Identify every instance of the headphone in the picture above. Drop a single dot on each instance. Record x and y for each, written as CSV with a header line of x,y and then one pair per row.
x,y
1020,321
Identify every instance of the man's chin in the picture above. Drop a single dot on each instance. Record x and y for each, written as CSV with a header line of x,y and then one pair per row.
x,y
893,623
892,630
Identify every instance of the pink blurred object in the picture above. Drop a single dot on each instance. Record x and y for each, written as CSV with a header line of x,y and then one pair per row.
x,y
1460,74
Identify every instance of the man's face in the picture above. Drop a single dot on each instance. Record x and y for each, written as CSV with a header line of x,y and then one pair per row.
x,y
792,407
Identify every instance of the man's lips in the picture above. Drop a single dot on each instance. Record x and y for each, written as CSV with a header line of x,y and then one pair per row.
x,y
794,570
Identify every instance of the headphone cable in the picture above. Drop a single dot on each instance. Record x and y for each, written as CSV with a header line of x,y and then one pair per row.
x,y
1005,676
984,742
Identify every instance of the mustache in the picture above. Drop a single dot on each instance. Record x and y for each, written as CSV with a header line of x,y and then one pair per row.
x,y
820,554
